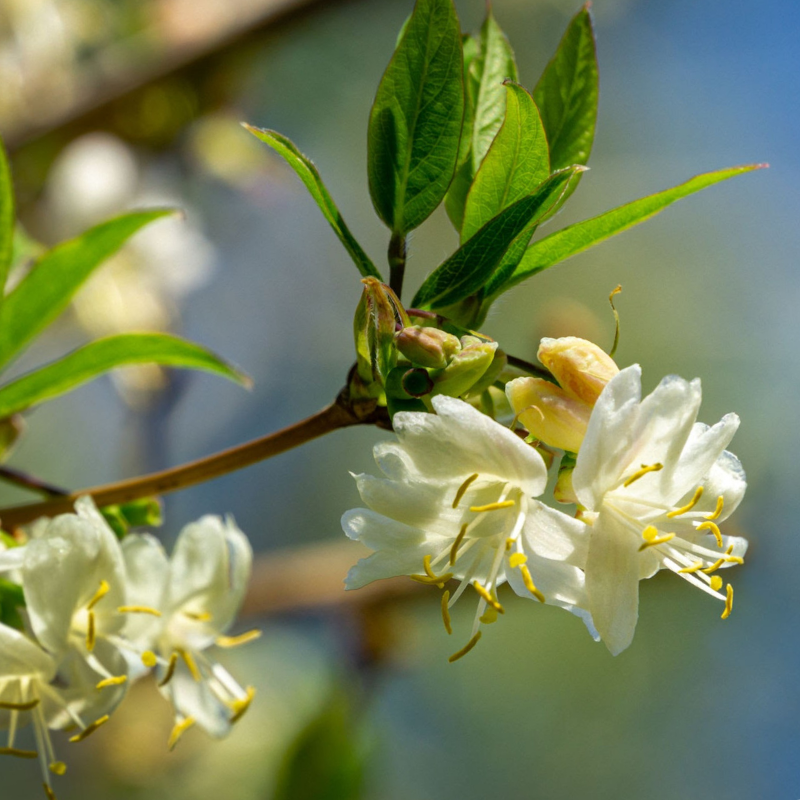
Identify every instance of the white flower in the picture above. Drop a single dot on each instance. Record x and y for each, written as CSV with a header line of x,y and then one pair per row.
x,y
655,485
456,502
193,599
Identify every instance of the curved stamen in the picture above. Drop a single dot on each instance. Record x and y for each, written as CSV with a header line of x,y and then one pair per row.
x,y
718,510
466,648
689,506
714,528
463,489
640,473
448,625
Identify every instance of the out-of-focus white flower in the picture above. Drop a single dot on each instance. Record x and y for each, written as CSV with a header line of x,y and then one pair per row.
x,y
457,502
654,484
194,597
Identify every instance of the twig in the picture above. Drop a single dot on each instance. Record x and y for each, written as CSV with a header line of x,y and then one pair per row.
x,y
18,478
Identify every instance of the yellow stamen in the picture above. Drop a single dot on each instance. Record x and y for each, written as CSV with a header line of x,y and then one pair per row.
x,y
734,560
90,632
99,594
58,768
19,706
694,568
489,616
457,543
178,731
714,528
466,648
173,662
117,680
642,472
510,543
446,612
236,641
487,597
240,706
139,610
492,506
650,533
49,792
728,602
149,659
718,509
439,580
716,583
13,751
426,563
689,506
517,559
202,616
188,659
462,490
90,729
529,584
653,541
714,567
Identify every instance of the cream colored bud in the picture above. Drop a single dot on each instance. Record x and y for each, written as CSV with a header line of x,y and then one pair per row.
x,y
580,366
428,347
549,413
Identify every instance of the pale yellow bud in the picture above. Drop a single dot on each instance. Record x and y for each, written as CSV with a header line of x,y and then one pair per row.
x,y
580,366
549,413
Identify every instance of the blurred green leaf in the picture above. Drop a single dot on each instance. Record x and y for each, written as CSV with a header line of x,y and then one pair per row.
x,y
516,163
581,236
55,277
309,175
102,355
135,514
567,93
488,61
416,119
12,599
7,220
474,263
327,760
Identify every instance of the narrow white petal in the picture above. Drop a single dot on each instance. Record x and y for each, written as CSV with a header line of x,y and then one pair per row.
x,y
20,656
552,534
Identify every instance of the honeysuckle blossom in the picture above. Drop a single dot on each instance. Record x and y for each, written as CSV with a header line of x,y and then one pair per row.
x,y
187,604
457,502
654,485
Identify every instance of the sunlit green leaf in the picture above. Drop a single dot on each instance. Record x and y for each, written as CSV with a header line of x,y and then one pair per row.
x,y
7,220
102,355
576,238
474,263
55,277
517,162
415,123
309,175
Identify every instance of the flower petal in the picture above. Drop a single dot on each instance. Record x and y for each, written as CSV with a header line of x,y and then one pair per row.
x,y
21,657
551,534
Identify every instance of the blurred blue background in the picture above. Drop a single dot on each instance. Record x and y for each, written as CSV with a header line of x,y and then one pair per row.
x,y
696,707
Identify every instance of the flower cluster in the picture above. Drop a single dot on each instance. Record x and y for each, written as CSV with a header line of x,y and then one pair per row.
x,y
457,500
100,613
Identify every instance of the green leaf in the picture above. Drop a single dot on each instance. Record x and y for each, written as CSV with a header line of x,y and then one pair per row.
x,y
309,175
474,263
415,123
55,277
7,220
488,62
566,96
581,236
102,355
517,162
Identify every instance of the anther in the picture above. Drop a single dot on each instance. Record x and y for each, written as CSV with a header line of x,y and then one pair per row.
x,y
58,768
240,706
462,490
642,472
49,792
718,509
529,584
446,612
202,616
426,563
188,659
694,568
17,753
714,528
689,506
178,731
488,597
439,580
517,559
652,539
173,662
139,610
716,583
99,594
149,659
715,566
90,729
90,632
466,648
728,602
236,641
19,706
457,543
489,616
492,506
116,680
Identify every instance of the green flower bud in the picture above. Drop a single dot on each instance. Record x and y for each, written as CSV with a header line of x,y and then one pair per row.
x,y
427,347
465,370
